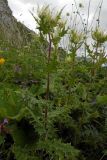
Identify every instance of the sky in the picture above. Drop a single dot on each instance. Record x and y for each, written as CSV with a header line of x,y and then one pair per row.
x,y
21,8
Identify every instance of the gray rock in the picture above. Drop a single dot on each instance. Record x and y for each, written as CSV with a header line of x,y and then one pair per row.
x,y
11,30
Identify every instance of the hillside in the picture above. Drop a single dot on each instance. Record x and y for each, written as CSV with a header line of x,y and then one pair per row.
x,y
11,31
53,104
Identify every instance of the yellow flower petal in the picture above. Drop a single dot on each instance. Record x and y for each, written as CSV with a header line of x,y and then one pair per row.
x,y
2,60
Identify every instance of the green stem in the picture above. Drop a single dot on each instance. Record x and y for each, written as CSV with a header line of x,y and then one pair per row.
x,y
48,81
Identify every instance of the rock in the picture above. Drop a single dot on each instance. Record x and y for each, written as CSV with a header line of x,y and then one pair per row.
x,y
12,31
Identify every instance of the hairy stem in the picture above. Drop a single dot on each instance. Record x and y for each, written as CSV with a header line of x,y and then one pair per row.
x,y
48,80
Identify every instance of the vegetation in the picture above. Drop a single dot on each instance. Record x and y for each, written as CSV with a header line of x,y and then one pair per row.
x,y
53,104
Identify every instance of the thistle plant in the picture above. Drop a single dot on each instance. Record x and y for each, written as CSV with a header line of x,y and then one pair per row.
x,y
51,29
97,51
50,107
76,40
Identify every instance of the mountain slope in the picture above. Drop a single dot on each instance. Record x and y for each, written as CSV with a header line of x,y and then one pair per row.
x,y
11,31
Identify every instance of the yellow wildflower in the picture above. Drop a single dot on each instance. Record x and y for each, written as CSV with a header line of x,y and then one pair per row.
x,y
2,61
